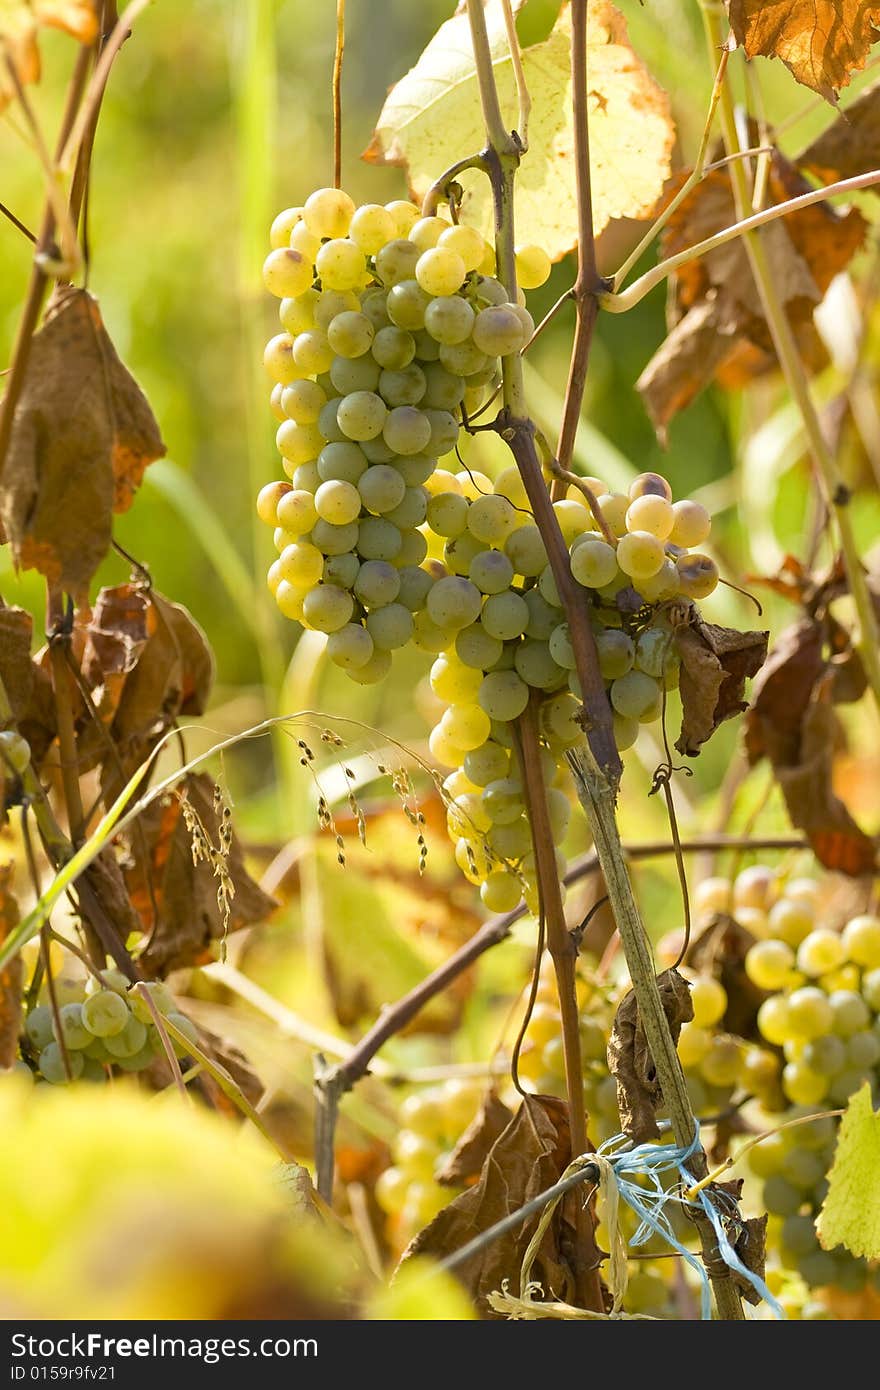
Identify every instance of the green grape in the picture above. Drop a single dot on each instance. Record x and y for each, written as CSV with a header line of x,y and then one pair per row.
x,y
526,551
769,964
105,1013
327,608
396,262
821,951
312,353
268,499
444,432
652,514
468,726
413,549
328,212
490,290
129,1041
561,648
663,585
467,243
454,682
279,360
426,232
305,241
73,1031
780,1197
460,553
415,469
334,302
791,920
428,636
501,891
298,443
691,524
302,401
447,514
301,564
338,502
503,695
572,520
798,1235
287,273
547,587
361,415
533,266
449,319
372,226
341,461
414,586
283,225
543,617
39,1026
594,563
626,731
185,1026
498,331
297,313
863,1050
560,719
650,485
487,763
474,647
722,1062
534,662
809,1015
51,1064
377,451
849,1012
697,575
767,1157
348,375
390,626
636,696
505,615
443,749
708,1000
491,572
443,390
427,348
640,555
350,334
340,264
372,303
440,271
410,512
503,800
463,359
350,647
616,652
844,1085
511,841
655,654
406,305
407,430
374,670
333,539
381,488
404,387
393,348
377,583
454,603
861,940
871,989
289,600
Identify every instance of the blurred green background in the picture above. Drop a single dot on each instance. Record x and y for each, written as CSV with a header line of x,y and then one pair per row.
x,y
217,116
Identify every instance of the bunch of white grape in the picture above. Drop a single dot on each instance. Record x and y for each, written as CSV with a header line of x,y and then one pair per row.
x,y
394,326
103,1023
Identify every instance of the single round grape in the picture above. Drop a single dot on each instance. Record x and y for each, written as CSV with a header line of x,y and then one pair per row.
x,y
415,469
287,273
348,375
51,1064
652,514
534,662
709,1000
489,762
792,920
350,647
302,401
312,352
427,231
594,563
693,1044
301,564
449,319
454,682
721,1064
614,507
334,539
543,617
404,213
863,1050
503,800
289,599
130,1041
283,225
636,696
406,304
407,430
390,626
861,940
333,302
803,1085
403,387
463,359
350,334
769,964
663,585
361,415
328,212
327,608
466,242
640,555
268,499
822,950
377,583
850,1012
648,485
526,551
533,266
503,695
443,748
443,390
415,583
447,515
773,1020
440,271
691,524
396,262
460,552
428,636
505,615
809,1014
561,648
572,520
104,1013
491,571
411,510
454,603
560,718
298,443
375,669
305,241
381,488
340,264
377,451
467,726
491,519
501,891
74,1033
279,360
697,575
275,401
341,461
371,227
498,331
474,647
616,652
338,502
297,313
444,434
393,348
296,511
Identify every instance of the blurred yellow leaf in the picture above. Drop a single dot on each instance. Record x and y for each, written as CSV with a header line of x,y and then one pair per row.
x,y
432,117
19,22
850,1214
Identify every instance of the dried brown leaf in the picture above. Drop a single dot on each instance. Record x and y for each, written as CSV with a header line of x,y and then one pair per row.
x,y
751,1246
12,978
82,435
850,145
524,1161
822,42
187,916
470,1153
629,1058
20,21
720,951
27,686
689,357
715,663
782,691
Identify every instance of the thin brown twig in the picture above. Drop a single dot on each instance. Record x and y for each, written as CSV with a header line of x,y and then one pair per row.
x,y
16,222
338,54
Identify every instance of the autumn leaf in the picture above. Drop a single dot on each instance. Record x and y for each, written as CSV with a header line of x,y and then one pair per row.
x,y
433,114
12,978
526,1159
470,1153
822,42
20,21
629,1057
82,435
850,145
850,1214
688,358
715,663
27,686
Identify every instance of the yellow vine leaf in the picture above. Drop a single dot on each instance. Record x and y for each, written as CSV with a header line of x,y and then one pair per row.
x,y
432,117
822,42
20,21
850,1214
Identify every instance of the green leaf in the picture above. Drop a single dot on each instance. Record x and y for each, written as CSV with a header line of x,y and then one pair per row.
x,y
850,1214
432,117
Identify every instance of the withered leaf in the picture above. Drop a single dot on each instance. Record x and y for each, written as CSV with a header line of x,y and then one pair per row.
x,y
751,1246
629,1058
688,358
821,42
27,686
850,145
527,1158
813,806
105,904
12,978
470,1153
782,691
82,435
19,24
720,950
176,899
715,663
